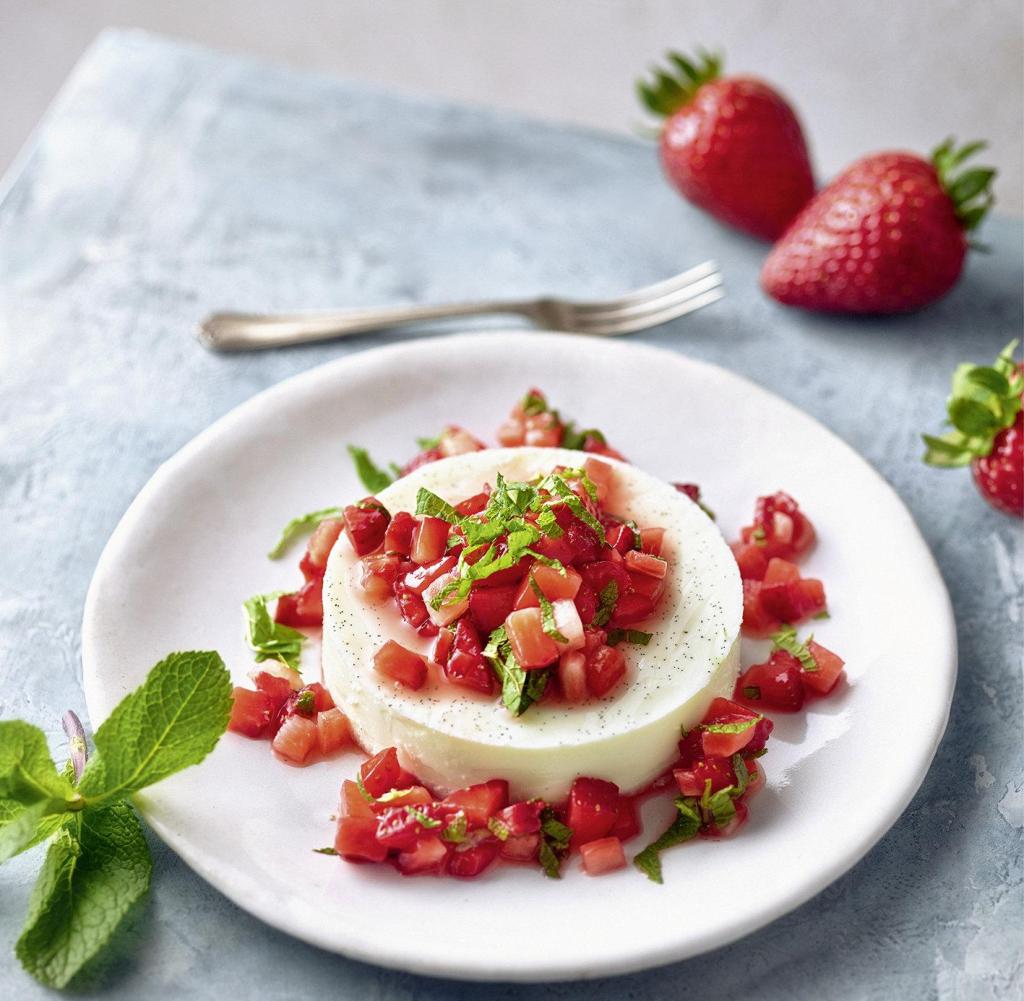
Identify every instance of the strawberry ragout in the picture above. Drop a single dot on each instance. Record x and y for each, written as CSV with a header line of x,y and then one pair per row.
x,y
541,578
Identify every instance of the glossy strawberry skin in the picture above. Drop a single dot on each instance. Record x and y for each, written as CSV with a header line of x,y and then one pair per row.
x,y
883,237
736,149
1000,474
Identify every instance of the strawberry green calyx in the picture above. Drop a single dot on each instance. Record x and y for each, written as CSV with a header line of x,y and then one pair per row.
x,y
673,88
984,400
970,190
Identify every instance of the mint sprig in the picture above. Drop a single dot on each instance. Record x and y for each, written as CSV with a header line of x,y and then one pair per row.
x,y
98,864
302,525
269,639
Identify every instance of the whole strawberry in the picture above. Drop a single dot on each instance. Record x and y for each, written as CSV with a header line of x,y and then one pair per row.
x,y
988,430
731,145
888,235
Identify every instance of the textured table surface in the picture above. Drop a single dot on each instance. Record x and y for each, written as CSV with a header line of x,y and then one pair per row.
x,y
167,181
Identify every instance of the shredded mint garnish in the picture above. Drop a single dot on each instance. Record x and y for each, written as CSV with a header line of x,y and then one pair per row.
x,y
786,639
683,828
421,818
325,851
498,828
97,864
608,598
302,525
370,474
547,613
638,636
739,726
455,832
268,638
554,843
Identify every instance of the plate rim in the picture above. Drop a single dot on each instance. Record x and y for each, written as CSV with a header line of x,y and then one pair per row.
x,y
548,970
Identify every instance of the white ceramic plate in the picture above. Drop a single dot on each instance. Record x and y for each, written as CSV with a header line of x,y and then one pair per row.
x,y
191,548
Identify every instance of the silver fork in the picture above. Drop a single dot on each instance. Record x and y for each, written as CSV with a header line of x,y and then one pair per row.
x,y
646,307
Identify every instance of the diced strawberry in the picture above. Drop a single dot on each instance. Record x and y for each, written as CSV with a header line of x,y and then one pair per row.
x,y
353,802
251,712
419,579
365,525
692,780
780,528
473,505
592,810
470,858
620,538
457,441
429,540
398,537
295,739
691,747
586,603
415,795
627,820
410,606
321,542
786,596
645,563
775,684
469,671
332,731
542,430
726,744
520,818
553,585
400,664
606,667
443,646
602,475
755,778
449,608
278,688
511,433
603,855
379,573
650,587
568,624
423,458
490,606
382,773
479,802
727,711
399,828
532,647
521,849
830,669
757,621
631,609
651,540
322,700
356,840
428,855
302,609
750,559
572,676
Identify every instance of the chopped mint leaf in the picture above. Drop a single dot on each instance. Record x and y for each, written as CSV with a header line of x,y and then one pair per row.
x,y
739,726
385,797
421,818
533,403
638,636
498,828
435,507
577,439
786,639
455,832
683,828
721,806
759,536
495,642
554,843
558,486
547,613
519,688
305,703
370,474
270,639
171,721
96,868
426,444
608,598
299,526
739,767
326,851
363,791
823,614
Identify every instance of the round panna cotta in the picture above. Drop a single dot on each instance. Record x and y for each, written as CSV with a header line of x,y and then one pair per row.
x,y
451,737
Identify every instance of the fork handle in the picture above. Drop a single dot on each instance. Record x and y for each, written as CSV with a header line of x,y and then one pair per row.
x,y
254,331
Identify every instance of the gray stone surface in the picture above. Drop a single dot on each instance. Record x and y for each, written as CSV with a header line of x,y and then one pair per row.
x,y
169,180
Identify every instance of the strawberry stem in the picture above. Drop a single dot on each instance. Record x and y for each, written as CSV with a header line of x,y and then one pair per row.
x,y
970,190
676,86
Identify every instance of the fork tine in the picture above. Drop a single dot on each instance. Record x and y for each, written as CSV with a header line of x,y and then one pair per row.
x,y
650,292
642,321
682,294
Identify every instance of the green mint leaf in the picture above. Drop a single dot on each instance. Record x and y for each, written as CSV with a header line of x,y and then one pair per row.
x,y
498,828
683,828
425,821
27,772
519,688
172,720
554,843
739,766
302,525
20,831
45,825
435,507
721,805
268,638
456,830
495,642
326,851
426,444
385,797
638,636
608,598
533,404
96,868
786,639
558,486
370,474
363,791
547,613
739,726
577,439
